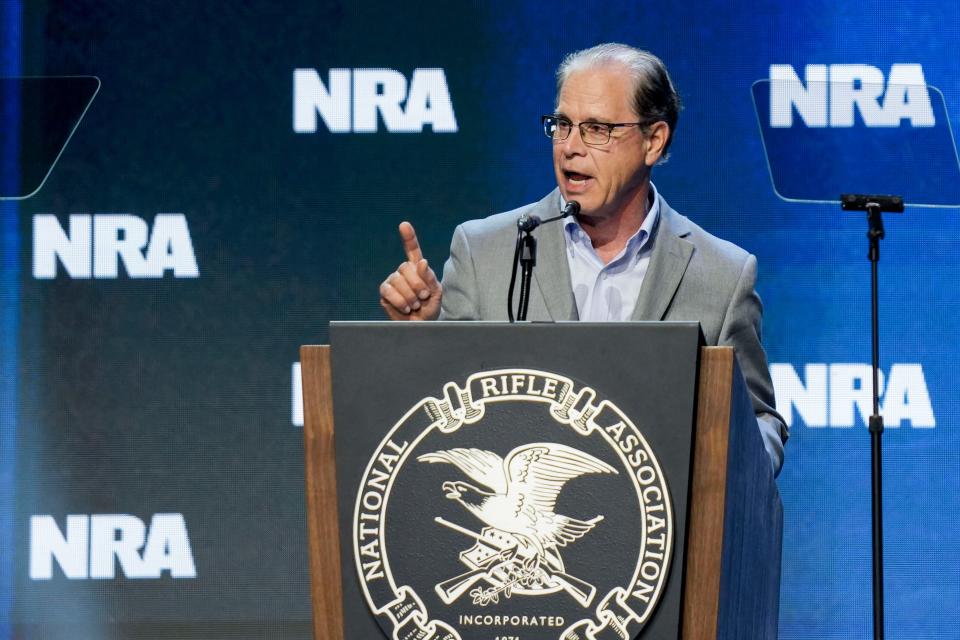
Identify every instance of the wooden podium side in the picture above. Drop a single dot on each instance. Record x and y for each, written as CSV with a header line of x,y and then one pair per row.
x,y
732,575
321,491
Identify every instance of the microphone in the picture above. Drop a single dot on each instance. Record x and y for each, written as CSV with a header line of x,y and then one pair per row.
x,y
572,209
531,222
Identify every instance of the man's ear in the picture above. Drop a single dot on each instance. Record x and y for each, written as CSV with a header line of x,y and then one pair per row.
x,y
658,134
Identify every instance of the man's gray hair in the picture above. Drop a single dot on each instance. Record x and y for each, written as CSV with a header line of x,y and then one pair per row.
x,y
654,97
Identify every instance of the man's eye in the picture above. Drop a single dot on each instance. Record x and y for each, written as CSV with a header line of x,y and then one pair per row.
x,y
596,127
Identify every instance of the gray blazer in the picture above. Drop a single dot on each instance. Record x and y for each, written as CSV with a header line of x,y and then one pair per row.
x,y
692,276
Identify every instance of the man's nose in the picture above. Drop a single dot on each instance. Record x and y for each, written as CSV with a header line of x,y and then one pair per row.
x,y
574,144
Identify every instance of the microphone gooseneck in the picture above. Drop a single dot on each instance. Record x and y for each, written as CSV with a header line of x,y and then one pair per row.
x,y
528,223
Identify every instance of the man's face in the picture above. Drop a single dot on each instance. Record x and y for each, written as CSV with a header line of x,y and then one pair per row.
x,y
611,178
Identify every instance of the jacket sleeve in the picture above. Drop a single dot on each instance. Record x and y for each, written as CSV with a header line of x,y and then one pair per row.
x,y
460,289
742,330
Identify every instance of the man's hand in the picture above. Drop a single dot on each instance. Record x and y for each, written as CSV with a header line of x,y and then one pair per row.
x,y
412,292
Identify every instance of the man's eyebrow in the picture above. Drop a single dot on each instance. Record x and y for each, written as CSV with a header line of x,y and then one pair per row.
x,y
560,114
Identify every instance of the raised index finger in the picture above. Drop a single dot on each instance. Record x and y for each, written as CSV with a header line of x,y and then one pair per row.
x,y
410,244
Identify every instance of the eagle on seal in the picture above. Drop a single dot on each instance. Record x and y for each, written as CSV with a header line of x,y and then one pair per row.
x,y
519,493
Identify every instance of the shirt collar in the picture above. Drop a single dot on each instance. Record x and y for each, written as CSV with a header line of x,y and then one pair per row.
x,y
575,233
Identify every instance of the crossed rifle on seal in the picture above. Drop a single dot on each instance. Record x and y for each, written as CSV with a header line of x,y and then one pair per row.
x,y
517,550
498,560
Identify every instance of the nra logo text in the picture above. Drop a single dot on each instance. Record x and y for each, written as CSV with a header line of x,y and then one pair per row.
x,y
837,394
95,246
91,547
830,95
352,99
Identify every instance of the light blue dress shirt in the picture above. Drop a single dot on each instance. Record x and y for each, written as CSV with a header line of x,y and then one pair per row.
x,y
608,292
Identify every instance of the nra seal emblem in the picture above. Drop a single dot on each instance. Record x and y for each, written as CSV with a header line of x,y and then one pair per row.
x,y
518,505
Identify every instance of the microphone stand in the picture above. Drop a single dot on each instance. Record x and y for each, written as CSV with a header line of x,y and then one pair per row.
x,y
875,206
525,255
528,260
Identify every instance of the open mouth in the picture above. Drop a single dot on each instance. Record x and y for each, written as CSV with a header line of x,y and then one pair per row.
x,y
575,178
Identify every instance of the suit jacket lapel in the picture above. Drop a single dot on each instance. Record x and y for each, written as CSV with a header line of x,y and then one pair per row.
x,y
668,262
552,273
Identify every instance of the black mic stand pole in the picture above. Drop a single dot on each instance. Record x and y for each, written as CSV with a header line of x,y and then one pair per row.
x,y
875,206
528,260
525,254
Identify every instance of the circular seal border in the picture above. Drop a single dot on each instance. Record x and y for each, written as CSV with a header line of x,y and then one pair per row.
x,y
618,609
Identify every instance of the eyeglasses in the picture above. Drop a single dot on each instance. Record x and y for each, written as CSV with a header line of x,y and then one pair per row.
x,y
596,133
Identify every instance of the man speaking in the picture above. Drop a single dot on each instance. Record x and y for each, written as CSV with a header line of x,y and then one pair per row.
x,y
627,255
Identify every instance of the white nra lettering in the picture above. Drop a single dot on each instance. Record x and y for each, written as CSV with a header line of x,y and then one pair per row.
x,y
833,395
833,93
94,246
70,551
352,100
93,546
296,396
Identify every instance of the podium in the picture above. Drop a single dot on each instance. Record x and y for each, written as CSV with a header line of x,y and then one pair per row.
x,y
688,404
